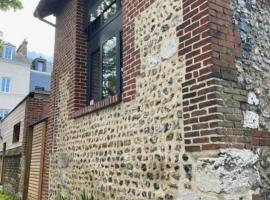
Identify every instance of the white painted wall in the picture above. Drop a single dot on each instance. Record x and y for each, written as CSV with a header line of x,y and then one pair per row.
x,y
19,73
7,126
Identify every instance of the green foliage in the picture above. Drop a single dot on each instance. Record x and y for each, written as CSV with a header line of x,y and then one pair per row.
x,y
85,197
10,4
82,197
60,197
6,5
7,197
1,46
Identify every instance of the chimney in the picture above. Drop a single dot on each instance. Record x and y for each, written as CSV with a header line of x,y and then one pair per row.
x,y
22,50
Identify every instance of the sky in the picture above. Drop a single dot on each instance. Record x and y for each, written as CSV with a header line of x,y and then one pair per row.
x,y
20,25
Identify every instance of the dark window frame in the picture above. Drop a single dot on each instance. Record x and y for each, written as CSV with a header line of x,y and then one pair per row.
x,y
37,61
97,36
16,130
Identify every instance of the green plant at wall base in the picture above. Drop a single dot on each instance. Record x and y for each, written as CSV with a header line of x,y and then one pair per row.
x,y
7,197
60,197
85,197
82,197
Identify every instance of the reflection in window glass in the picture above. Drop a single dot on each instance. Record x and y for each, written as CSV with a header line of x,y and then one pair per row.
x,y
100,9
109,68
40,66
110,12
5,84
3,113
8,53
95,80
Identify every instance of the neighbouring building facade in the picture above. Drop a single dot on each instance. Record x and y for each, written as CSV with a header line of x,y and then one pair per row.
x,y
14,78
159,99
22,145
20,75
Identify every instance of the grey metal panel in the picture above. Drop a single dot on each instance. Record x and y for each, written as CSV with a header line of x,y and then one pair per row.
x,y
40,80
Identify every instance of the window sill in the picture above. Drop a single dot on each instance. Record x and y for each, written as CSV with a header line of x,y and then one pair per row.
x,y
17,142
110,101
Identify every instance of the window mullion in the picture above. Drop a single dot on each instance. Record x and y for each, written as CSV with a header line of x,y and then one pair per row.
x,y
118,61
101,71
118,2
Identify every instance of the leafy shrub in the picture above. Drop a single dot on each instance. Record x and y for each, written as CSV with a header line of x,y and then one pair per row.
x,y
85,197
7,197
82,197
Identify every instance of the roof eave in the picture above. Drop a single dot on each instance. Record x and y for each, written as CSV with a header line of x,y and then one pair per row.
x,y
47,7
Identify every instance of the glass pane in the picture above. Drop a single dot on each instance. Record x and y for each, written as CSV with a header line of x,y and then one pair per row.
x,y
5,85
8,53
95,80
3,113
109,68
110,12
100,8
40,66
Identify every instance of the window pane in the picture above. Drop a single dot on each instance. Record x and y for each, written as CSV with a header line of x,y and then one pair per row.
x,y
16,132
8,53
99,9
40,66
109,68
95,80
5,85
110,12
3,113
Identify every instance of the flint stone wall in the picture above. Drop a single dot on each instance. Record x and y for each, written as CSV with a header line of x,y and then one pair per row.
x,y
131,150
135,150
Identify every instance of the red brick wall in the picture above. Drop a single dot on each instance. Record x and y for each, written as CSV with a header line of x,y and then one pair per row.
x,y
210,43
64,61
76,50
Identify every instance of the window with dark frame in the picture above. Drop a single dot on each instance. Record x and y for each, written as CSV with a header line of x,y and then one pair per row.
x,y
105,53
39,64
16,132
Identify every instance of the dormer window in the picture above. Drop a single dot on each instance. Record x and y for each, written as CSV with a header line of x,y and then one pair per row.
x,y
8,52
39,64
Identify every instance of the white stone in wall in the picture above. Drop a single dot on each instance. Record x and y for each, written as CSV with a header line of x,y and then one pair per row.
x,y
192,196
62,160
154,59
168,49
252,99
251,119
232,172
187,196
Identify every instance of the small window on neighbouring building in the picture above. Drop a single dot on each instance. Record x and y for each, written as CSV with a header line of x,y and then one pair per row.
x,y
16,132
4,84
3,113
40,66
8,53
